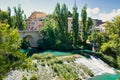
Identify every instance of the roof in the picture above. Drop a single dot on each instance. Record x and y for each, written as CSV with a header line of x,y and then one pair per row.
x,y
36,14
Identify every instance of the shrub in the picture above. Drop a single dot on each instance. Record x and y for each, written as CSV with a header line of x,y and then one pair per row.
x,y
42,56
118,61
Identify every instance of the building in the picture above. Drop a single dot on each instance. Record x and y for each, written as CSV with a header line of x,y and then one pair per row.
x,y
35,21
98,25
69,24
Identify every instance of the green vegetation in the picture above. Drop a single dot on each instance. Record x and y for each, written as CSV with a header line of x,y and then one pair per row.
x,y
97,39
15,21
10,57
33,77
24,78
56,37
63,71
19,18
112,44
86,24
55,31
75,26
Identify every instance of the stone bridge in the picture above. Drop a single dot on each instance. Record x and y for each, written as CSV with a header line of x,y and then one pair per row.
x,y
31,36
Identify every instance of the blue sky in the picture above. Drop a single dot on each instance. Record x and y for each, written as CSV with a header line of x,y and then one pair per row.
x,y
101,9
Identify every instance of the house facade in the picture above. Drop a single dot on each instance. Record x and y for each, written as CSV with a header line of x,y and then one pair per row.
x,y
98,25
35,21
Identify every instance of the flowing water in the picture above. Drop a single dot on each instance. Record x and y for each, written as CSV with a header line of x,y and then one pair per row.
x,y
95,65
106,76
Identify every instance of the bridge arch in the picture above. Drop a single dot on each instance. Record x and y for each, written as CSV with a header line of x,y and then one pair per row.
x,y
31,36
30,39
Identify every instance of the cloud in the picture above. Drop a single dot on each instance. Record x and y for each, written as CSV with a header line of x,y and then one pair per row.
x,y
92,11
109,16
96,13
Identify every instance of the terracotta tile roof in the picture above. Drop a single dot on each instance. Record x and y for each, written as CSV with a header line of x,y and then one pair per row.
x,y
36,15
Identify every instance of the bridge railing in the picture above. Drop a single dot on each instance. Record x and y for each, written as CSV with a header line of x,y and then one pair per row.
x,y
28,30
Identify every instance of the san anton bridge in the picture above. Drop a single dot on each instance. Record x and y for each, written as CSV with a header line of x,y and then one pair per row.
x,y
32,36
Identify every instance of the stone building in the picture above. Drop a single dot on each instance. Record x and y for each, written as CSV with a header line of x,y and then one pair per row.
x,y
35,21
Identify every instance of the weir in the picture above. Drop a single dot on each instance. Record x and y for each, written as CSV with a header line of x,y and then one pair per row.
x,y
96,65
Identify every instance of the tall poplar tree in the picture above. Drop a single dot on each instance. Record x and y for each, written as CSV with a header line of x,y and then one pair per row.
x,y
86,24
19,18
61,18
10,18
75,25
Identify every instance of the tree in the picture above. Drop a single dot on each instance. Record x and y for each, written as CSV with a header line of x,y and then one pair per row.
x,y
113,42
55,31
97,39
48,33
9,48
3,16
10,41
61,19
10,20
19,18
86,23
75,25
89,25
64,16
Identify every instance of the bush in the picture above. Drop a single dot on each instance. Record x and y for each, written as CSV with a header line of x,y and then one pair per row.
x,y
118,61
42,56
109,60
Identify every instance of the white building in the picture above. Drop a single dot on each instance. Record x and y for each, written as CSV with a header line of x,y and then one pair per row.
x,y
98,25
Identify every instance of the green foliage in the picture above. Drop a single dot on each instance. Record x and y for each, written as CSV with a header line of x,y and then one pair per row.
x,y
42,56
55,31
113,41
15,21
118,61
75,26
24,78
97,39
25,44
19,18
9,40
65,72
3,16
86,24
110,60
60,16
10,57
10,19
33,78
48,33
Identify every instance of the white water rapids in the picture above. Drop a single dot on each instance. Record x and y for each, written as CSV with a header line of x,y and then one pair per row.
x,y
96,65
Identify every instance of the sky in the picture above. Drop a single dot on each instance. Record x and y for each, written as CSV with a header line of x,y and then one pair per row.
x,y
97,9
